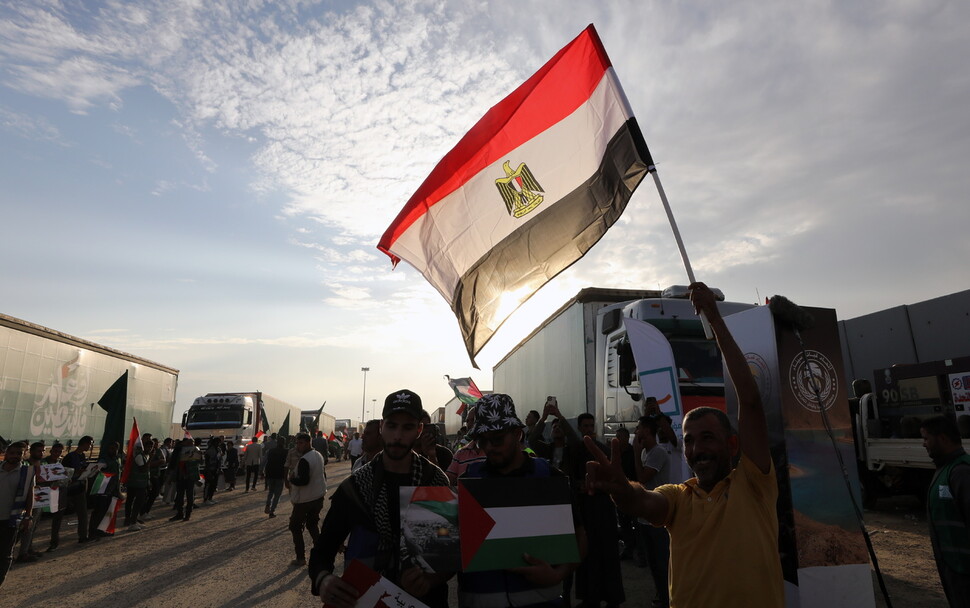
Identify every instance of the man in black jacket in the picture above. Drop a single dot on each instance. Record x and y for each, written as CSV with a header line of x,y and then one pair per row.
x,y
365,507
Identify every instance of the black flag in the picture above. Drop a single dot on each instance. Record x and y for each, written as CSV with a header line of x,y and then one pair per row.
x,y
115,402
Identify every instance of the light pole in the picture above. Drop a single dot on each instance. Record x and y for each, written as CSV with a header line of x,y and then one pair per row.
x,y
363,399
373,409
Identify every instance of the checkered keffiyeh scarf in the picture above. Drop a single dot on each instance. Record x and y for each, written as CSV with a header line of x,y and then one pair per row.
x,y
369,481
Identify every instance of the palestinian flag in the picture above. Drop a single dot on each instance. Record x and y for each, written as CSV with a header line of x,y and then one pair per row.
x,y
526,192
500,519
102,483
466,391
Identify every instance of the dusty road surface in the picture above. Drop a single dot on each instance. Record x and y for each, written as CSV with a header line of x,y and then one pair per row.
x,y
232,555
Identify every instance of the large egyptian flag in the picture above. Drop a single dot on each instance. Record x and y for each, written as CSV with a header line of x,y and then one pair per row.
x,y
500,519
526,192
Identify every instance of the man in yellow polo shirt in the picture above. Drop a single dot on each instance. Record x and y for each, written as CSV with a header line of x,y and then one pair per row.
x,y
723,524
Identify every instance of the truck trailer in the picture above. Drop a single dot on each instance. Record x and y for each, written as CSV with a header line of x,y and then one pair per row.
x,y
50,383
240,416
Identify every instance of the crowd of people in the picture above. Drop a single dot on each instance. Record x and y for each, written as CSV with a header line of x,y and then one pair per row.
x,y
711,540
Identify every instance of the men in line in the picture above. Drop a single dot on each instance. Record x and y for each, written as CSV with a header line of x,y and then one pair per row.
x,y
232,465
531,420
652,469
366,507
27,554
53,458
321,445
110,463
467,455
626,523
598,578
371,443
157,465
554,451
723,552
498,431
138,482
187,462
252,459
428,445
275,473
948,507
16,500
212,466
308,485
76,493
268,444
667,439
355,449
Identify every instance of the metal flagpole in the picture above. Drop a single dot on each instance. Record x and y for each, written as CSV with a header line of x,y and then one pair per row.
x,y
708,332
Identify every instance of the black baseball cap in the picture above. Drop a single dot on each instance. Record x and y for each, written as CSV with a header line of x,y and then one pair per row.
x,y
404,400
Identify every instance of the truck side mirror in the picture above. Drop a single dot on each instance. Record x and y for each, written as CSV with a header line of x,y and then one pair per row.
x,y
249,417
185,416
627,367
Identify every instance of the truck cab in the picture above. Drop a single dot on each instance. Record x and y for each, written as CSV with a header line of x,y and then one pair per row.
x,y
887,418
229,415
698,360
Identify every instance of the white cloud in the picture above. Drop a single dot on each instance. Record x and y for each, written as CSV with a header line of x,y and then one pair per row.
x,y
30,127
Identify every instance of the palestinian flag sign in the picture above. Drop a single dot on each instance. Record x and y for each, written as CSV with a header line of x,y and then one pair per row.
x,y
527,192
503,518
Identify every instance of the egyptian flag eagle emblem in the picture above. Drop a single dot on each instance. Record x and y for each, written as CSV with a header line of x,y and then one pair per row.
x,y
519,189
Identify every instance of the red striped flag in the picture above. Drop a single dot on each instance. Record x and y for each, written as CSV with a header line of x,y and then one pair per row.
x,y
134,445
527,192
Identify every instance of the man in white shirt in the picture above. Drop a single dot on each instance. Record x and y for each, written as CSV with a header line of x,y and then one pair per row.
x,y
356,448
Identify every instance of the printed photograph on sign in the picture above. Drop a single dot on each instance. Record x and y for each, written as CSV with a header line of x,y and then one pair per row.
x,y
429,527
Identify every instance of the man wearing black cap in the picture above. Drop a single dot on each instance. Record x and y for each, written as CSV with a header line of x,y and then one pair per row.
x,y
366,507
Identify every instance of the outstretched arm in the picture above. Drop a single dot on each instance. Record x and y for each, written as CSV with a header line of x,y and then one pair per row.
x,y
752,428
630,497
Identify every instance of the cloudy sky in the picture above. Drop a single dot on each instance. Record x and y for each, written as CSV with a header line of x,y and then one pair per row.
x,y
204,183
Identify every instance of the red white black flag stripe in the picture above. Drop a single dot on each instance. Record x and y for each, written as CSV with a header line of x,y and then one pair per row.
x,y
526,192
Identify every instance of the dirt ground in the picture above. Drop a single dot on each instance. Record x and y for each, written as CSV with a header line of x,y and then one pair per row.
x,y
231,555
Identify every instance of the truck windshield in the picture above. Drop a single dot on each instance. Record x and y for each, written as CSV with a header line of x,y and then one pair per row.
x,y
205,419
698,360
